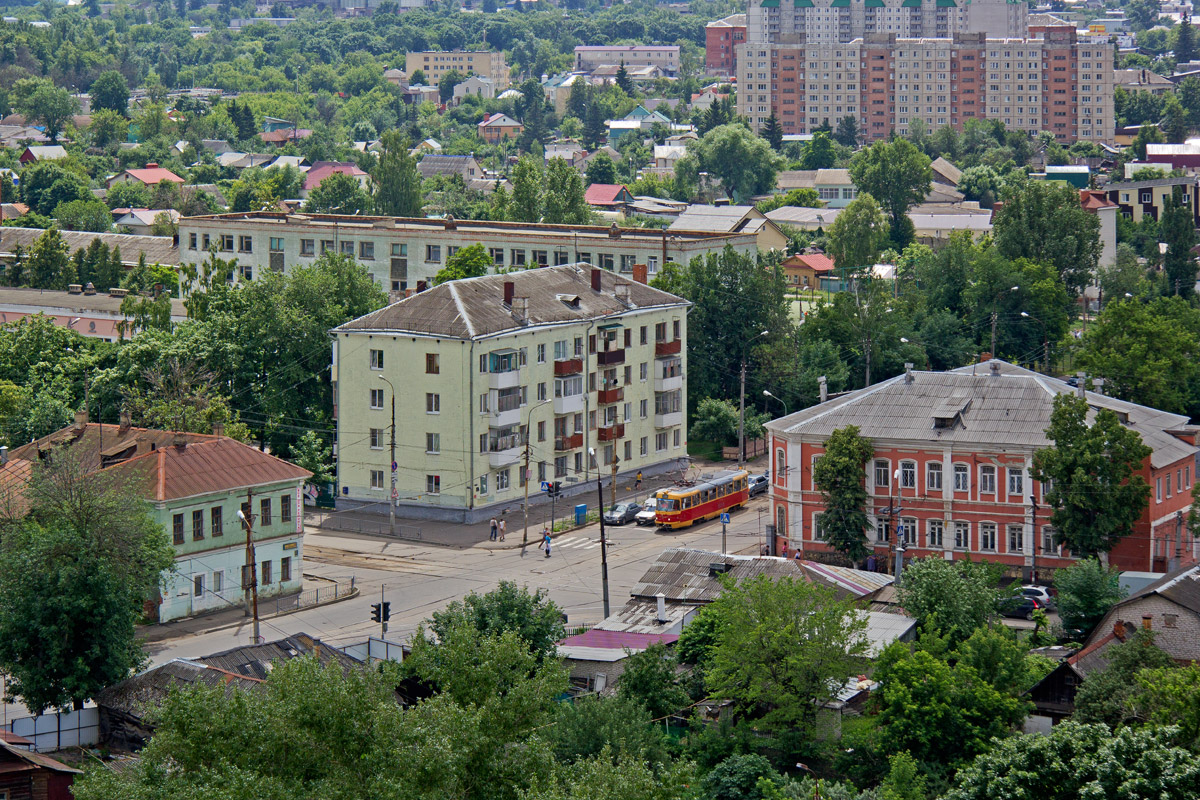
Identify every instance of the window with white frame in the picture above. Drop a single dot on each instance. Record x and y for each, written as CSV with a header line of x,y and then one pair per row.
x,y
962,535
908,531
987,479
483,483
883,476
502,478
962,478
1016,482
987,536
933,477
377,479
934,533
1049,540
433,403
1158,489
818,529
376,437
908,474
377,398
883,529
1016,538
376,359
433,484
433,443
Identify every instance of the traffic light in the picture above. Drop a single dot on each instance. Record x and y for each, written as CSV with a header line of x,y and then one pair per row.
x,y
387,611
377,612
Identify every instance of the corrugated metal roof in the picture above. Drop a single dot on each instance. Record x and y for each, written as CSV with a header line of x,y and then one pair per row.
x,y
884,628
1008,410
157,249
854,582
682,574
598,637
257,661
1181,586
722,219
474,307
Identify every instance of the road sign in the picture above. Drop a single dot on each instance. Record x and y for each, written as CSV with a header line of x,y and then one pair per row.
x,y
545,486
725,518
395,494
394,465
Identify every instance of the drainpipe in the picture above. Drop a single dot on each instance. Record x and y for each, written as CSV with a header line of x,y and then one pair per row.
x,y
471,428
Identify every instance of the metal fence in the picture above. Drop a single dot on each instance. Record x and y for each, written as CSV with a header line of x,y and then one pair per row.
x,y
51,731
346,524
308,598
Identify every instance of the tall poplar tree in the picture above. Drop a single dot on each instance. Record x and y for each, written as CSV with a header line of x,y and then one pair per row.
x,y
840,475
397,182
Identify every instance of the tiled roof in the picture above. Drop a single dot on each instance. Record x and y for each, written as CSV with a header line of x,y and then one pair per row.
x,y
1009,408
14,477
285,135
474,307
499,121
683,575
818,262
1092,200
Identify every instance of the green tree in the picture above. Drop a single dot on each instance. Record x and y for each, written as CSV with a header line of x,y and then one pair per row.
x,y
773,132
857,236
1143,14
51,106
980,183
624,82
311,453
447,82
904,780
1179,233
840,476
563,200
1096,493
601,168
819,153
1086,591
397,181
48,263
47,183
338,193
716,421
738,778
127,195
1082,761
1147,134
1185,41
744,163
527,190
782,647
804,198
846,133
110,91
587,727
953,597
1109,695
897,175
1044,222
471,261
532,616
108,128
1174,123
83,215
1125,276
1171,696
649,679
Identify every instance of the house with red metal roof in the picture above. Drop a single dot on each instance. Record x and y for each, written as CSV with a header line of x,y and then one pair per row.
x,y
197,484
26,774
804,270
607,196
323,169
151,175
498,127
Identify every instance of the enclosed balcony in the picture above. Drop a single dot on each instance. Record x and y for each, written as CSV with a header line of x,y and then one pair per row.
x,y
610,433
572,442
504,448
664,349
568,366
608,358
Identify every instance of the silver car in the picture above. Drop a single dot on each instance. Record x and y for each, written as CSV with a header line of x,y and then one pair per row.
x,y
1041,594
649,513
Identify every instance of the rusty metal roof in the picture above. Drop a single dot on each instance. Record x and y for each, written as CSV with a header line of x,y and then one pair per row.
x,y
684,575
144,691
474,307
257,661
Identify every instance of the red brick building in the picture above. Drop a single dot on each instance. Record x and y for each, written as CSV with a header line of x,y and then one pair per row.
x,y
952,469
721,39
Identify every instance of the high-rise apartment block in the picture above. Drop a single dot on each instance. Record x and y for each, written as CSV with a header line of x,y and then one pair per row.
x,y
889,62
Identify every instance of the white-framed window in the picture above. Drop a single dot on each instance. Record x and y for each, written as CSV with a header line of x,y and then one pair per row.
x,y
1049,540
483,483
377,479
908,475
376,359
433,403
377,398
883,475
643,446
433,443
218,586
987,479
883,529
933,477
433,484
643,406
1016,538
197,587
676,438
908,531
541,354
643,370
433,253
376,438
987,536
1016,482
660,442
502,478
934,533
962,478
962,536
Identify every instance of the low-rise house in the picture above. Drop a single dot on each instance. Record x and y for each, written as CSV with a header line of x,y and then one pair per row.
x,y
425,146
732,219
607,73
945,173
1169,156
805,270
607,196
42,152
282,136
1142,80
196,484
151,175
1137,200
496,128
321,170
396,77
26,775
558,89
665,156
141,221
475,85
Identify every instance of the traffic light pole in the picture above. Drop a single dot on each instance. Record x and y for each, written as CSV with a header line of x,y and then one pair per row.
x,y
251,564
383,612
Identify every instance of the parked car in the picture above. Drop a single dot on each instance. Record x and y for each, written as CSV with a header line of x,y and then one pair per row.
x,y
1041,594
622,513
758,484
1021,607
649,513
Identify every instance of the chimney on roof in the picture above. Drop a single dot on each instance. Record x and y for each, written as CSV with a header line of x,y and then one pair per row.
x,y
152,165
614,232
640,273
81,420
823,384
450,223
90,289
622,292
1079,388
520,307
509,289
123,427
1099,384
3,455
420,286
595,279
994,366
179,439
662,608
1146,622
1119,630
218,429
908,376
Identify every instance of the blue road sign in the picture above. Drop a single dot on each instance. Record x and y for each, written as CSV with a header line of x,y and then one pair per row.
x,y
545,486
725,518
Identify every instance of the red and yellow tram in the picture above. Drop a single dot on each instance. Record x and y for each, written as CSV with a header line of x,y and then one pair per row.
x,y
707,499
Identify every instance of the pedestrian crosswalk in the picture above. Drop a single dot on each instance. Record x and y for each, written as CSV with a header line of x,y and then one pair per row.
x,y
577,542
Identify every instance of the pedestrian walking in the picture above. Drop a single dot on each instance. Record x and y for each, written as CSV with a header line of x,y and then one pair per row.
x,y
546,541
503,528
495,529
638,483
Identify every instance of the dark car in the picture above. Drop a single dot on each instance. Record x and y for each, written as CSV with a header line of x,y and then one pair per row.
x,y
621,513
1021,607
758,485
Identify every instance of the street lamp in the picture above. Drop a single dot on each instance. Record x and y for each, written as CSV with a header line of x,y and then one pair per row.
x,y
995,301
1045,339
742,401
395,494
251,590
603,539
528,426
767,393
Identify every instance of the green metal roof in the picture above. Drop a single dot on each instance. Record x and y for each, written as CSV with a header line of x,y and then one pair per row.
x,y
911,4
947,4
804,3
770,4
874,3
840,4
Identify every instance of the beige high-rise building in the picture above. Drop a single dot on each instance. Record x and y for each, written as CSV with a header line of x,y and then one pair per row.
x,y
436,63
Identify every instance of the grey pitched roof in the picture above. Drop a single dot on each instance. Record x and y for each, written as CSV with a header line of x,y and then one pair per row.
x,y
158,249
683,575
951,173
431,164
718,219
257,661
1009,409
474,307
1181,587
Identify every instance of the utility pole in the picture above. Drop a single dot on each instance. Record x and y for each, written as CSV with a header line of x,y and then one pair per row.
x,y
1178,541
603,540
250,578
395,494
742,416
616,463
1034,549
993,329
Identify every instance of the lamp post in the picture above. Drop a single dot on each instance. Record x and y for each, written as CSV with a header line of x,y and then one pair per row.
x,y
767,393
392,500
603,539
1045,339
995,302
742,402
251,580
525,509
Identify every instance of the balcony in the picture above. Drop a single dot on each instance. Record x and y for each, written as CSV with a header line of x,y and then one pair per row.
x,y
668,384
663,349
572,442
608,396
568,366
504,380
610,433
505,457
571,404
607,358
668,420
506,415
